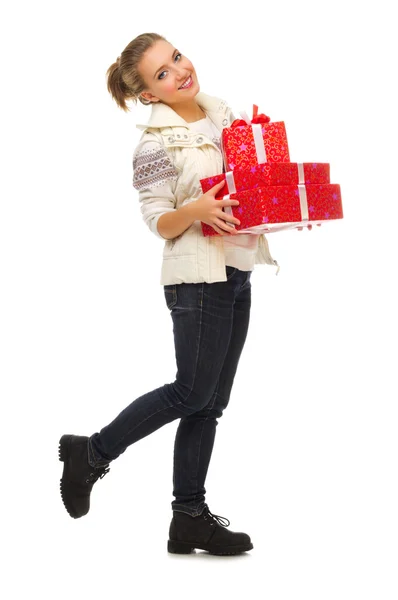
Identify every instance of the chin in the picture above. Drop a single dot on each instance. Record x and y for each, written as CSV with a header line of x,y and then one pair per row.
x,y
195,90
195,81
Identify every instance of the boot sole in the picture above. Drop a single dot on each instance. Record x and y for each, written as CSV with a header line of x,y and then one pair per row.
x,y
177,547
63,453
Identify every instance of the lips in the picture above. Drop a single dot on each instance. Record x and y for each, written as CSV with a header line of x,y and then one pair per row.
x,y
188,80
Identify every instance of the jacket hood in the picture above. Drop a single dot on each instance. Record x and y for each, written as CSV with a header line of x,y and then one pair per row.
x,y
164,116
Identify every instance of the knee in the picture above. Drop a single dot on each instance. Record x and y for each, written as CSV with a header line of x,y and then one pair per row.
x,y
192,399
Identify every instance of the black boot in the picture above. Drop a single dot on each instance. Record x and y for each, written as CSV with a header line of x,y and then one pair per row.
x,y
78,476
205,532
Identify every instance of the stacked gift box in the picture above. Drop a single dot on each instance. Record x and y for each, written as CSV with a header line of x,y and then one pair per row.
x,y
273,193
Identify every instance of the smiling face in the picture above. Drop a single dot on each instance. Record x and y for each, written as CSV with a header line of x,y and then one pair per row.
x,y
164,70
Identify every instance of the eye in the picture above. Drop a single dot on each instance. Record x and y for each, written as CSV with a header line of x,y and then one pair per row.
x,y
177,55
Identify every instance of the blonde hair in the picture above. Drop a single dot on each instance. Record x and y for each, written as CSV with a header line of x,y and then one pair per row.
x,y
124,81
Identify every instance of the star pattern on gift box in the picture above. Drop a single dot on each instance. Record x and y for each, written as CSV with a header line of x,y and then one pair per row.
x,y
239,148
258,206
270,174
269,193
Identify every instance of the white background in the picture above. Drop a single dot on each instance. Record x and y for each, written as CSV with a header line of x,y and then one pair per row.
x,y
305,458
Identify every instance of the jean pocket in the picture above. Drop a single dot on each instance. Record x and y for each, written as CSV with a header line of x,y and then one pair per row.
x,y
170,294
230,271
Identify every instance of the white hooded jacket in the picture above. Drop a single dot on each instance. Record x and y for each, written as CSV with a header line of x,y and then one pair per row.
x,y
168,163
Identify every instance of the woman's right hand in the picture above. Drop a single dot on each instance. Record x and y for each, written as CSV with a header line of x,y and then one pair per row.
x,y
209,210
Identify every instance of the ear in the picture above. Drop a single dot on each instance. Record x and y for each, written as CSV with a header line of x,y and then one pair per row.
x,y
149,97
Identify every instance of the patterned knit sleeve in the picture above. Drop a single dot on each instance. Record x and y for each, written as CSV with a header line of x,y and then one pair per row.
x,y
155,177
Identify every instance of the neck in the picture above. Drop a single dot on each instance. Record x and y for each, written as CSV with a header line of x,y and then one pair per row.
x,y
189,111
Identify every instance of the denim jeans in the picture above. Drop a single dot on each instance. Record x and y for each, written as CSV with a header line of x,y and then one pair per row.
x,y
210,324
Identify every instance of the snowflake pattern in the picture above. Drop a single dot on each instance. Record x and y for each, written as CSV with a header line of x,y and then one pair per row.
x,y
152,168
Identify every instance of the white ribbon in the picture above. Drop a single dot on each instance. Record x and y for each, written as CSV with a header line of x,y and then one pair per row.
x,y
228,211
258,139
303,202
245,117
229,176
259,143
301,176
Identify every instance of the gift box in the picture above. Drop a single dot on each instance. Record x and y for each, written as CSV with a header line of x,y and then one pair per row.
x,y
247,143
268,174
277,207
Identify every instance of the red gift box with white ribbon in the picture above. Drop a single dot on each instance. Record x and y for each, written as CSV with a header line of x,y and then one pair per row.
x,y
246,143
278,207
268,174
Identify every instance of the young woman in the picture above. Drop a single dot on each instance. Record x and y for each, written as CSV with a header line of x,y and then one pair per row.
x,y
206,282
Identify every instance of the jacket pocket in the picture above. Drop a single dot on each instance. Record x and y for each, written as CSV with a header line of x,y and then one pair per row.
x,y
184,244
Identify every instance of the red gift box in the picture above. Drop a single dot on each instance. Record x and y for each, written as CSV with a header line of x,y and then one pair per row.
x,y
268,174
246,144
277,207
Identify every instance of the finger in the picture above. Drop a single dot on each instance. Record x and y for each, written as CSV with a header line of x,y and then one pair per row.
x,y
216,189
229,219
217,229
225,225
218,185
229,202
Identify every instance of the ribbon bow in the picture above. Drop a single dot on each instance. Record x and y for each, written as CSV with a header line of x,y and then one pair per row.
x,y
257,118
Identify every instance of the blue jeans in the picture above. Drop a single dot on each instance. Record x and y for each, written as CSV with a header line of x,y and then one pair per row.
x,y
210,324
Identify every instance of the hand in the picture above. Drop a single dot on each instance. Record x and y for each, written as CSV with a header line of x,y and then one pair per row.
x,y
209,210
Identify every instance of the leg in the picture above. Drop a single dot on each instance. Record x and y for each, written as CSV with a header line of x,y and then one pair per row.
x,y
196,432
202,325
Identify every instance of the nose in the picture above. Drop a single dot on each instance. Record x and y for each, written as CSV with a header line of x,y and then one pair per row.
x,y
181,77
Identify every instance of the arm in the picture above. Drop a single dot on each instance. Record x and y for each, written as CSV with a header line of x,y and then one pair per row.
x,y
173,224
155,177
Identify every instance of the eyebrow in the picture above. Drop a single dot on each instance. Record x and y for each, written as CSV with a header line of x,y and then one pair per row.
x,y
163,66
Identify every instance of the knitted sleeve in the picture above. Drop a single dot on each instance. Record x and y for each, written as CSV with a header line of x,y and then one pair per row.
x,y
155,177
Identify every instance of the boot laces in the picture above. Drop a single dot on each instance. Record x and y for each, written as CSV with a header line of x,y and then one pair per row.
x,y
217,518
98,473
